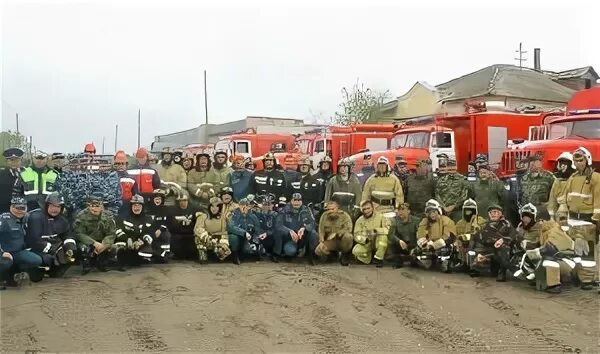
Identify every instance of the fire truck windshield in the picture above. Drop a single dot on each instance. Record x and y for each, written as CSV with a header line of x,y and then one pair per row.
x,y
589,129
411,140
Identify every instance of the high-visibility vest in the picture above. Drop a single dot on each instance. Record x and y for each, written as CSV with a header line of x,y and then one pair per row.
x,y
39,183
127,184
143,177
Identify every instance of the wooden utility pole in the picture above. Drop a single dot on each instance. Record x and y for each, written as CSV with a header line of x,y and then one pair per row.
x,y
17,123
206,134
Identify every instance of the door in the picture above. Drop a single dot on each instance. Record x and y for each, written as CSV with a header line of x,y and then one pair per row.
x,y
243,147
497,138
441,143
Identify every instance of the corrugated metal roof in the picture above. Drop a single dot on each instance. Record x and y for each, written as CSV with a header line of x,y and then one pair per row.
x,y
507,81
572,73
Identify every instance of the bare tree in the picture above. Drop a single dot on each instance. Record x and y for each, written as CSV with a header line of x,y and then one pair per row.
x,y
359,103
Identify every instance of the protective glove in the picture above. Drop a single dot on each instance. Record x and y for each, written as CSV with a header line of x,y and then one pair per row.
x,y
147,239
582,248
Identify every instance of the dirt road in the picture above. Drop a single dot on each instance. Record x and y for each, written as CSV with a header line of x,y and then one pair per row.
x,y
262,307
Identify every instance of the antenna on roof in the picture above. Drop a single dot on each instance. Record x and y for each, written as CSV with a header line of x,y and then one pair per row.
x,y
521,58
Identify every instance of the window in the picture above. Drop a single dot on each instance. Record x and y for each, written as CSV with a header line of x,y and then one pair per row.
x,y
241,147
278,147
319,146
589,129
417,140
399,141
442,140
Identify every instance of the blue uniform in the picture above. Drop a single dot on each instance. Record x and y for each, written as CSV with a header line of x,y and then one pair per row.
x,y
269,223
293,220
240,180
238,226
12,240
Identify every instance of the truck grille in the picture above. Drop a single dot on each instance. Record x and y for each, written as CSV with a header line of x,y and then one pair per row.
x,y
508,165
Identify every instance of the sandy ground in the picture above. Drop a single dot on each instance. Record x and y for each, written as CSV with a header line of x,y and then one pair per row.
x,y
262,307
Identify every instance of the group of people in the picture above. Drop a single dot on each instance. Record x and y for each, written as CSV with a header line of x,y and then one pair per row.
x,y
200,208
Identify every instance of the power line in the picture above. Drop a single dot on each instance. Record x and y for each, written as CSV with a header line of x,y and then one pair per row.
x,y
521,58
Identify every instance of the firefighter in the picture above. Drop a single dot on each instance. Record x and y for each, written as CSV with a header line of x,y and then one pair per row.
x,y
491,246
146,177
170,171
133,236
383,188
211,234
17,261
466,227
421,188
370,234
220,174
270,223
245,233
335,233
309,186
297,229
451,188
39,180
187,162
226,195
582,192
95,232
402,172
240,178
436,232
128,184
345,187
181,223
49,234
536,183
564,169
529,229
325,171
486,190
402,236
11,183
269,180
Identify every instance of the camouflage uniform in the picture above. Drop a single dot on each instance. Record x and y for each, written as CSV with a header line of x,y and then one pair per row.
x,y
452,190
405,231
89,228
536,187
370,234
420,190
487,193
335,233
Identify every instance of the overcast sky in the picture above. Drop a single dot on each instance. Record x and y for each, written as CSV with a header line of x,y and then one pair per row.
x,y
74,69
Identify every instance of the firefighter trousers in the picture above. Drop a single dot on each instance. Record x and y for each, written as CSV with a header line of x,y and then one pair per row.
x,y
364,252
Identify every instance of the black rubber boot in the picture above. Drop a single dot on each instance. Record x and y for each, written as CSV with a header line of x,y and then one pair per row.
x,y
343,259
501,277
553,289
378,263
235,257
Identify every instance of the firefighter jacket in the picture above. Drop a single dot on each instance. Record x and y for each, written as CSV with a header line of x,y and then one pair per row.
x,y
214,226
219,178
464,227
367,229
582,193
441,229
12,233
404,230
535,188
553,234
172,173
135,227
265,182
420,190
337,184
89,228
311,189
385,183
291,219
532,234
43,231
182,221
